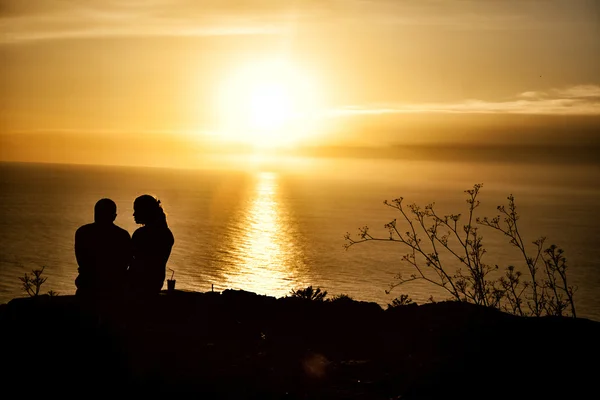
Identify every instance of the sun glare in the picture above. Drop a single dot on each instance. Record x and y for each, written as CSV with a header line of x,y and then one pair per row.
x,y
267,104
270,106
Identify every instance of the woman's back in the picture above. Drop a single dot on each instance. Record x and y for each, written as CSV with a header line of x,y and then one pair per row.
x,y
151,250
151,246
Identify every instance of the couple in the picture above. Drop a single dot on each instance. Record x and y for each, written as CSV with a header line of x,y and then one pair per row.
x,y
111,263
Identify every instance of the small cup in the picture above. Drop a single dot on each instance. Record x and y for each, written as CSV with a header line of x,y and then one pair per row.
x,y
171,284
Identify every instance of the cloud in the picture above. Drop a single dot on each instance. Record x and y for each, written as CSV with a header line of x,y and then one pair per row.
x,y
26,20
476,15
45,20
574,100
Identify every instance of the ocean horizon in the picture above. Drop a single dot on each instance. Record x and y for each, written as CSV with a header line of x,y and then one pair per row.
x,y
269,229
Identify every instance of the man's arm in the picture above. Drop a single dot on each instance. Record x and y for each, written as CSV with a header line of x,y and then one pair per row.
x,y
79,250
82,257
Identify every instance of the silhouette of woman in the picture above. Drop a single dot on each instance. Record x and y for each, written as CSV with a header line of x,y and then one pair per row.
x,y
151,246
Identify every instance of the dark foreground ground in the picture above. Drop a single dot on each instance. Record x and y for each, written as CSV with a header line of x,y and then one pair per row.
x,y
241,345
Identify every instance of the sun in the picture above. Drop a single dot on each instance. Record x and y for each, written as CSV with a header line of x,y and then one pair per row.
x,y
267,104
270,105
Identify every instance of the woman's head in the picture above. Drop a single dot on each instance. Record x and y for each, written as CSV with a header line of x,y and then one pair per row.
x,y
147,209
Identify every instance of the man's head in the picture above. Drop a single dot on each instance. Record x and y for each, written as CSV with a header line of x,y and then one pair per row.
x,y
105,211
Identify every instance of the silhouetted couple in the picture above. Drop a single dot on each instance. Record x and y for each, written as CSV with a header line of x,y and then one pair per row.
x,y
113,264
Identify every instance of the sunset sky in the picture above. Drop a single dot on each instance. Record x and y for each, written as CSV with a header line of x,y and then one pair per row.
x,y
126,82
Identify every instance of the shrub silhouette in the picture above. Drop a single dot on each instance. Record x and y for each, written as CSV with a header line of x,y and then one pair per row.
x,y
340,297
32,284
402,300
309,294
435,241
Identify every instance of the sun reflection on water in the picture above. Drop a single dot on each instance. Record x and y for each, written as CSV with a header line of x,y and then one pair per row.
x,y
268,255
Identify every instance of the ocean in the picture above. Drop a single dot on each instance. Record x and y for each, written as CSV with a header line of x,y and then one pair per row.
x,y
273,226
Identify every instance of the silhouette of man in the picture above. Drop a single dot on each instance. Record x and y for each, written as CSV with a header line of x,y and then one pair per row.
x,y
103,252
151,244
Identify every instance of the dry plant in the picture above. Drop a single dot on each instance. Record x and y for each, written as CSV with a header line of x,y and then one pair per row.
x,y
309,293
436,243
33,284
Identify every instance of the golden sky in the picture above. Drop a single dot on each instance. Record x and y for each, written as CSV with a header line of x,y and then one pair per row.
x,y
116,81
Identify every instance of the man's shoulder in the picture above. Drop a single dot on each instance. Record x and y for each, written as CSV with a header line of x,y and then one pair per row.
x,y
121,232
85,228
96,229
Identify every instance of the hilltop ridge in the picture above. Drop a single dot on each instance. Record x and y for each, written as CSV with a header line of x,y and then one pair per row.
x,y
238,344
